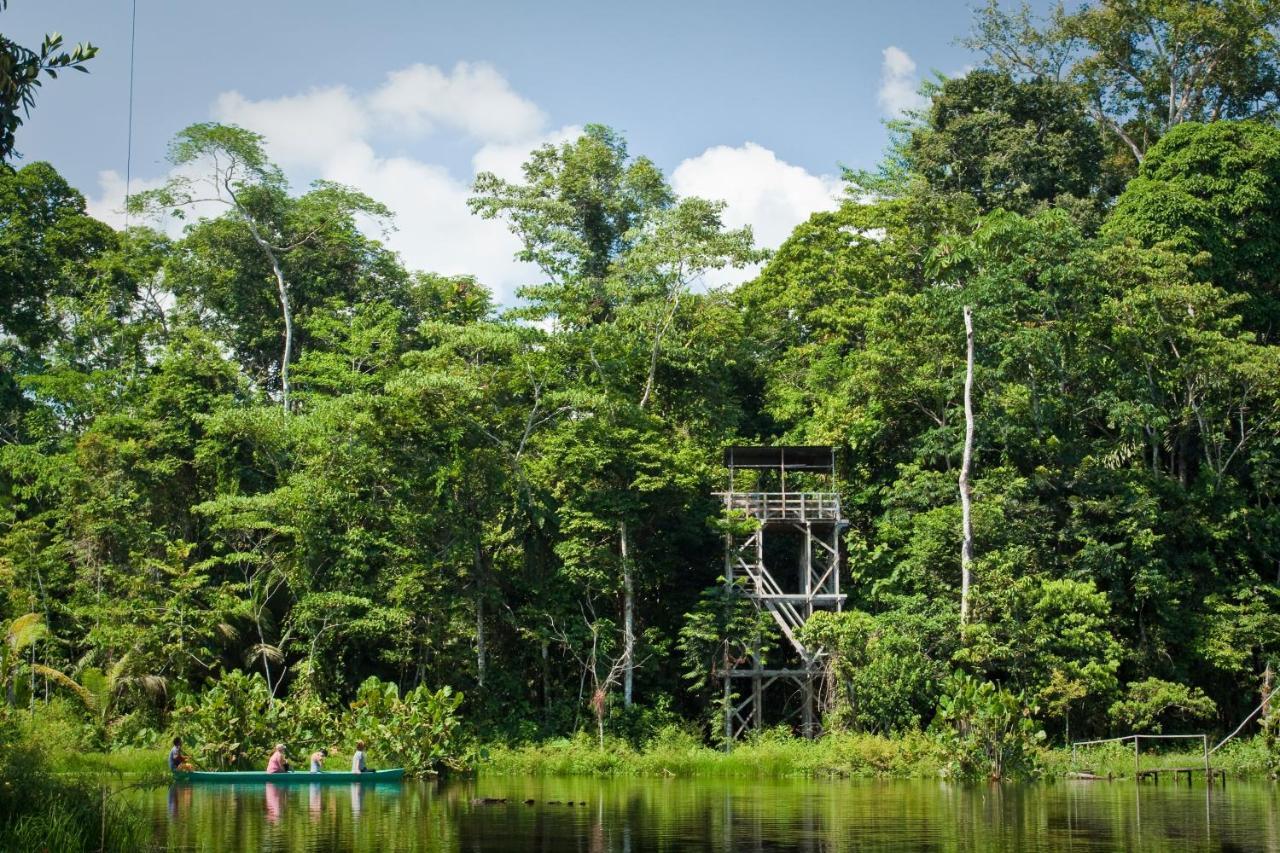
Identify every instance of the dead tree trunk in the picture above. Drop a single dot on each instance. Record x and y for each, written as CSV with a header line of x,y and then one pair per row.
x,y
966,489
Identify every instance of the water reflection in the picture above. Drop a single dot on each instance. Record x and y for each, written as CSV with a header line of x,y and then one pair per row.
x,y
627,817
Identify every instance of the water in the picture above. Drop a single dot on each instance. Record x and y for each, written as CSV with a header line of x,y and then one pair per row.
x,y
713,815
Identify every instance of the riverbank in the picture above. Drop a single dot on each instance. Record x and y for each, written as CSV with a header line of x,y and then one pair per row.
x,y
914,755
678,754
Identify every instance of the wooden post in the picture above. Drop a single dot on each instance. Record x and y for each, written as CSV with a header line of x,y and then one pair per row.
x,y
1135,759
966,490
1208,774
757,690
807,689
728,714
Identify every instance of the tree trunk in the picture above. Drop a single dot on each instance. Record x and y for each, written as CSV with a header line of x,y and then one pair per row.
x,y
287,310
628,619
966,491
478,583
282,289
546,683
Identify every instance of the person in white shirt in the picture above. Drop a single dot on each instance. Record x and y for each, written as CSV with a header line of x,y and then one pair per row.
x,y
357,760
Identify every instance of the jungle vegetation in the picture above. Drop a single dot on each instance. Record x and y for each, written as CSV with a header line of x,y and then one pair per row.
x,y
264,463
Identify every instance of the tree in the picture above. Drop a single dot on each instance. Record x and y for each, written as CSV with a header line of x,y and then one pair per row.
x,y
1009,143
241,178
1146,66
620,253
20,70
1211,192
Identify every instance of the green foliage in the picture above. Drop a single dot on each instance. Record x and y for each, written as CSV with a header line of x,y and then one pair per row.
x,y
987,731
1145,67
44,810
883,671
1008,143
418,731
228,726
1151,704
20,71
1210,191
462,498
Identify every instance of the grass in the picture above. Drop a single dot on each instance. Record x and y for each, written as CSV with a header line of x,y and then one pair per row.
x,y
677,753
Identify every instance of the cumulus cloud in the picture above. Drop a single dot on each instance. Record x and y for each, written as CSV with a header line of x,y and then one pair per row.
x,y
473,98
760,190
899,83
335,134
300,130
380,142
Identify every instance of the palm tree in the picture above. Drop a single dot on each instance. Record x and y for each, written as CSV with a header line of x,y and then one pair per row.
x,y
20,635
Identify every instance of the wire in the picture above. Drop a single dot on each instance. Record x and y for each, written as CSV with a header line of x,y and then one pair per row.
x,y
128,157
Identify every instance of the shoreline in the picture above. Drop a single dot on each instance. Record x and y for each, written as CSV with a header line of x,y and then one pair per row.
x,y
679,755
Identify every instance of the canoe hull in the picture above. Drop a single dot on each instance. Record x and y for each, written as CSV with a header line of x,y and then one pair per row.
x,y
254,777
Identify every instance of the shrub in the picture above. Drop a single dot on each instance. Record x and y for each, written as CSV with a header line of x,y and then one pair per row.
x,y
418,731
1153,703
985,729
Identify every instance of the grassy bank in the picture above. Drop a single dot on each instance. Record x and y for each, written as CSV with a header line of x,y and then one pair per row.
x,y
45,806
769,756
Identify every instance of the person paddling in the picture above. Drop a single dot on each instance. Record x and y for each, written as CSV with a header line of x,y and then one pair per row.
x,y
178,761
317,760
357,760
278,763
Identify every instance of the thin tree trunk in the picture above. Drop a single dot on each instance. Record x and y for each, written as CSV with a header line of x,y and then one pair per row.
x,y
282,290
966,491
287,310
546,683
628,619
479,592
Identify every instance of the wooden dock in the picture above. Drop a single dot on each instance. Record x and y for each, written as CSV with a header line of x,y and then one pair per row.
x,y
1153,774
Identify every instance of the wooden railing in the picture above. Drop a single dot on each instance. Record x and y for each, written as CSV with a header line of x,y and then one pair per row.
x,y
785,506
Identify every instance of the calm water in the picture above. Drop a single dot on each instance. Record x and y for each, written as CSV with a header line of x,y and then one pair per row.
x,y
672,815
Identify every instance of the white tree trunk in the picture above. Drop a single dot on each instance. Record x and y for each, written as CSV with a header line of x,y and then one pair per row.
x,y
966,491
287,310
478,583
628,619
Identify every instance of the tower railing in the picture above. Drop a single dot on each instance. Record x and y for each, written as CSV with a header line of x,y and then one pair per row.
x,y
785,506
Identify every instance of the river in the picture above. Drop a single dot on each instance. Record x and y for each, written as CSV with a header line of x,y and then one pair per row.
x,y
622,816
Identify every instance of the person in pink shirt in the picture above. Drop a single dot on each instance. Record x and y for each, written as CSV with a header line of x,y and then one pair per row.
x,y
278,763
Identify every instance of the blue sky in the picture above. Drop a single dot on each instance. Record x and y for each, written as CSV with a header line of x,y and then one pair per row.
x,y
755,102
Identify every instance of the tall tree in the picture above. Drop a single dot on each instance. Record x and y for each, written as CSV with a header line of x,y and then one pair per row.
x,y
1146,66
239,177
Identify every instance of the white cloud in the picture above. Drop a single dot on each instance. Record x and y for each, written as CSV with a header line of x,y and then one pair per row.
x,y
108,204
759,189
343,135
769,194
899,84
301,130
474,98
505,159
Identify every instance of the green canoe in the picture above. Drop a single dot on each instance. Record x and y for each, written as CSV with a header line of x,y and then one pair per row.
x,y
253,777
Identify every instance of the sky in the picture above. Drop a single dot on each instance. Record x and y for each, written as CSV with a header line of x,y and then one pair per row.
x,y
755,103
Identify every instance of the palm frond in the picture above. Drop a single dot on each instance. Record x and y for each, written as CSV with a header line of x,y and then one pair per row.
x,y
25,630
65,681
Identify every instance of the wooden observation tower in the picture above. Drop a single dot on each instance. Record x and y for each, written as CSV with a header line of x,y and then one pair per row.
x,y
792,565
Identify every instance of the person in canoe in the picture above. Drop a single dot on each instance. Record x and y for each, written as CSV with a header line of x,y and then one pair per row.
x,y
277,763
178,761
357,761
317,760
